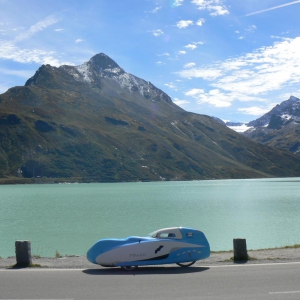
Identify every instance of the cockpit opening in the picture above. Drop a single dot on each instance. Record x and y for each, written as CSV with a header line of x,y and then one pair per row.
x,y
173,233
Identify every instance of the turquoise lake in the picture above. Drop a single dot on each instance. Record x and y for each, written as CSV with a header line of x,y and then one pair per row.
x,y
69,218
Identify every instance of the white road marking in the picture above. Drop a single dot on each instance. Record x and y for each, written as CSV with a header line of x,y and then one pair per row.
x,y
247,265
288,292
170,265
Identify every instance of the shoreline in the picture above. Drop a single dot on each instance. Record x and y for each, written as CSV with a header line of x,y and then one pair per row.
x,y
83,180
275,255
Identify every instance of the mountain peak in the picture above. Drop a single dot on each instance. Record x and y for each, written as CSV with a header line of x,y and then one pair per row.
x,y
287,109
293,98
100,65
103,61
279,127
95,73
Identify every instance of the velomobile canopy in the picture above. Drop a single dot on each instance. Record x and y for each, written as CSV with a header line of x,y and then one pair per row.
x,y
173,232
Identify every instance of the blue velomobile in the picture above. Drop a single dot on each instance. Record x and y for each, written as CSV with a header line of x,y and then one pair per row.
x,y
180,245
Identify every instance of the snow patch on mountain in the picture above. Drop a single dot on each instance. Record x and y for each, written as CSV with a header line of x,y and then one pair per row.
x,y
289,109
236,126
101,66
133,83
111,71
240,128
85,72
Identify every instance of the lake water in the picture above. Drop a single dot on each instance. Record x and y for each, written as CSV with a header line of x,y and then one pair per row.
x,y
69,218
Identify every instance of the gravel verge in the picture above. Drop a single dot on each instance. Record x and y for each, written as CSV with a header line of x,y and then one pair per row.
x,y
281,255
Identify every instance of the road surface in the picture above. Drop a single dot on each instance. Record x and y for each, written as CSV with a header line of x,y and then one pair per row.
x,y
256,281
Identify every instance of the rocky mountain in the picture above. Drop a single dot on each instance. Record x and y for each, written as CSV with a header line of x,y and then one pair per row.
x,y
280,127
96,122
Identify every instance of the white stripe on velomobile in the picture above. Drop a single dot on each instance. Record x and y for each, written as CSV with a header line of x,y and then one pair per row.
x,y
141,251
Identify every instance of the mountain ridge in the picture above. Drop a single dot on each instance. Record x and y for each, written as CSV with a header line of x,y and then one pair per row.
x,y
286,109
279,128
96,122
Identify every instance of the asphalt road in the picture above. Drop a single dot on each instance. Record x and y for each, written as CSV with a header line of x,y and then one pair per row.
x,y
265,281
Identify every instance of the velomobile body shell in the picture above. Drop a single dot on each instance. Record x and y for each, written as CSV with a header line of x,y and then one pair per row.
x,y
165,246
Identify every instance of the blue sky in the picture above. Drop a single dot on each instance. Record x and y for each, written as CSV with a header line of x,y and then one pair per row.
x,y
233,59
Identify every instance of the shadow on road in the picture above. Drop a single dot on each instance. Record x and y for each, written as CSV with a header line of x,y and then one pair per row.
x,y
145,271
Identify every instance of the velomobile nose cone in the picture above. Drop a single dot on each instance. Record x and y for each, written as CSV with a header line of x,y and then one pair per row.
x,y
92,255
97,249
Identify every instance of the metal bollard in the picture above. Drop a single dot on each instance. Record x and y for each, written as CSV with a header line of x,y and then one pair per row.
x,y
23,253
240,250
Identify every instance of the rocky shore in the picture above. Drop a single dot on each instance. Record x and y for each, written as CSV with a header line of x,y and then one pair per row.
x,y
278,255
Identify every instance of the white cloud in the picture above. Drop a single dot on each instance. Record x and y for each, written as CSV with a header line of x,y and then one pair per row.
x,y
207,74
194,92
277,37
215,6
217,97
182,52
155,10
219,10
180,102
50,20
11,52
164,54
10,49
200,22
189,65
254,110
157,32
177,2
249,77
213,97
266,69
184,23
79,41
251,28
171,86
59,29
191,46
